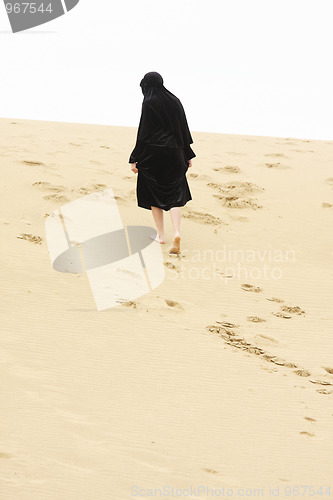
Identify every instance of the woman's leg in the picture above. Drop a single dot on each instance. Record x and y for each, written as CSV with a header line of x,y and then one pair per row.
x,y
158,218
175,214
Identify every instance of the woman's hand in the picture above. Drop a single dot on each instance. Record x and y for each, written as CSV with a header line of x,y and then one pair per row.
x,y
133,168
190,163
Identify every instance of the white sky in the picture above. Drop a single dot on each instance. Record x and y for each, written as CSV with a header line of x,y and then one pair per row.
x,y
257,67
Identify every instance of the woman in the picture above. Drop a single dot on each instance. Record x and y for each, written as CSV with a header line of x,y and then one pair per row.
x,y
162,155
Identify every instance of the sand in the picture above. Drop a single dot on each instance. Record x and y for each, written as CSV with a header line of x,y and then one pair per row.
x,y
221,377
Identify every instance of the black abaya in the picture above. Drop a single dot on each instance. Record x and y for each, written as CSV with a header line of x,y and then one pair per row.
x,y
162,149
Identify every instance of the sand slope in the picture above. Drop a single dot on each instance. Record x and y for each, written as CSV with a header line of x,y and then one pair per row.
x,y
220,377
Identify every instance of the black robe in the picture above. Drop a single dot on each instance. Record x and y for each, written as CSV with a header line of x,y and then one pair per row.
x,y
162,150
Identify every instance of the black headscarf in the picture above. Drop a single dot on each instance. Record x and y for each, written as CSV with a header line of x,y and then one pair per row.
x,y
163,120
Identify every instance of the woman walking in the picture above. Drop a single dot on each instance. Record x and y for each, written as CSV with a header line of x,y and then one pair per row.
x,y
162,155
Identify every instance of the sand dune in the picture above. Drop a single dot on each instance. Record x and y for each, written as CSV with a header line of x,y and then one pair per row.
x,y
221,377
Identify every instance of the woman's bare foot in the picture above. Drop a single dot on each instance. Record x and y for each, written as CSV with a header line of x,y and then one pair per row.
x,y
157,238
175,245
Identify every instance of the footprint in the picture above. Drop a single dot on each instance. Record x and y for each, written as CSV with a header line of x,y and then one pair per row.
x,y
55,197
210,471
329,370
223,329
105,147
324,391
170,265
226,324
294,310
256,319
133,305
310,419
278,361
201,217
89,189
326,205
58,190
275,299
278,165
130,303
29,162
237,187
310,434
230,169
5,455
40,183
268,338
302,373
237,202
30,237
174,304
251,288
291,365
193,175
214,185
235,194
230,338
271,165
83,190
282,315
268,357
50,187
321,382
277,155
203,177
